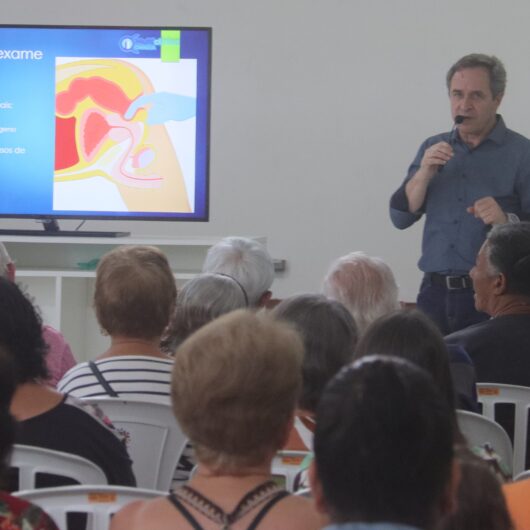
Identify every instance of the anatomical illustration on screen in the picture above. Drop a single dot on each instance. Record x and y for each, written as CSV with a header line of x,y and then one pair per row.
x,y
125,135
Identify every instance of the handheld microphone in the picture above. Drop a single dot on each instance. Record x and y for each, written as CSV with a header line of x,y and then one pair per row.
x,y
458,120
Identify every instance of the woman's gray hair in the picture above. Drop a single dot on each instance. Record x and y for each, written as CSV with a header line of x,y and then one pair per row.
x,y
217,293
365,285
245,260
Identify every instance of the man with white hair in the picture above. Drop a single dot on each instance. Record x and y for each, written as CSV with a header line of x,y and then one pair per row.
x,y
247,262
365,285
59,358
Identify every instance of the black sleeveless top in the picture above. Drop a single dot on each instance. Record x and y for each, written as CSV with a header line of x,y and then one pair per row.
x,y
268,493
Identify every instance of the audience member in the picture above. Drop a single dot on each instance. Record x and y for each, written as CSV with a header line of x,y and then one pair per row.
x,y
330,335
15,514
246,261
501,280
134,297
234,387
59,357
412,335
185,320
364,285
384,448
517,496
480,502
216,292
47,418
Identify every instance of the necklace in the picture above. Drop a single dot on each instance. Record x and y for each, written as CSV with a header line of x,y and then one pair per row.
x,y
258,495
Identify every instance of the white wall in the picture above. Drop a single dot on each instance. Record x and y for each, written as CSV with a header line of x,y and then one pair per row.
x,y
318,108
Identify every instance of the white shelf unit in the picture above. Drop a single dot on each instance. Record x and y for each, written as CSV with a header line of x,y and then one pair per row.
x,y
48,269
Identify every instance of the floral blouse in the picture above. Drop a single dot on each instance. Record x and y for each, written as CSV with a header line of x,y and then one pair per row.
x,y
18,514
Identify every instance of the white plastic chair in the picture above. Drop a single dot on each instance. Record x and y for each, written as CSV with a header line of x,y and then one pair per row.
x,y
479,431
525,475
286,465
98,502
490,394
32,460
154,439
304,492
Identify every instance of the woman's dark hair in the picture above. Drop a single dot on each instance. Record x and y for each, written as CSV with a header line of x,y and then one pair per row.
x,y
21,334
481,503
7,423
410,334
383,443
329,335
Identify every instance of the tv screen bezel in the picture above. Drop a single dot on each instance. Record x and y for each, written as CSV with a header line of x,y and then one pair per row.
x,y
119,216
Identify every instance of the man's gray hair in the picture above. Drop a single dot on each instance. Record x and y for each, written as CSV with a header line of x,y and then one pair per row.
x,y
508,252
493,65
245,260
5,260
364,284
217,293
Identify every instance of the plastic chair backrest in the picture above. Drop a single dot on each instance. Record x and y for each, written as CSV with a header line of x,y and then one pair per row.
x,y
522,476
154,439
286,465
32,460
98,502
304,492
490,394
481,431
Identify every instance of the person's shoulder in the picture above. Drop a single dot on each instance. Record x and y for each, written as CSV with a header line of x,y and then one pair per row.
x,y
515,135
460,336
52,334
29,516
142,514
78,369
89,412
68,380
294,512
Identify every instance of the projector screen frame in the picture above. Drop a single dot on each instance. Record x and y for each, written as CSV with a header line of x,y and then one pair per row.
x,y
202,184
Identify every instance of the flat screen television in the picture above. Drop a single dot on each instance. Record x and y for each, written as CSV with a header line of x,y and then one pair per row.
x,y
104,123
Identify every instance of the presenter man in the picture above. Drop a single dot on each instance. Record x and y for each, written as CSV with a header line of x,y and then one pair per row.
x,y
464,181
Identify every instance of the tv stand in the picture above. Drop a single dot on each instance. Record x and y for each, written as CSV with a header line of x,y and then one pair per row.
x,y
62,233
51,228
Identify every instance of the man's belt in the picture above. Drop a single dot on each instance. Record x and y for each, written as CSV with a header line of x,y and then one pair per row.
x,y
451,282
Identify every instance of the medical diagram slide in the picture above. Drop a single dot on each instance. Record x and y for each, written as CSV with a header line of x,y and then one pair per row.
x,y
104,120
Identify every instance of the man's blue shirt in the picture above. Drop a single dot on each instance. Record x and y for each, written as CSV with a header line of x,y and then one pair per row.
x,y
498,167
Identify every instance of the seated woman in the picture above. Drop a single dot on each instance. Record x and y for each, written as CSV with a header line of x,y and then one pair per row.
x,y
235,384
412,335
47,418
134,296
15,514
330,336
